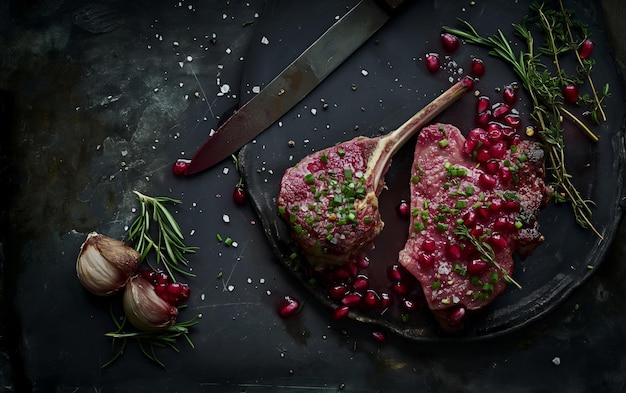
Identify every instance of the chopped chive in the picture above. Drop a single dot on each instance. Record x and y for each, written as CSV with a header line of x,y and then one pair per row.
x,y
309,178
228,241
443,143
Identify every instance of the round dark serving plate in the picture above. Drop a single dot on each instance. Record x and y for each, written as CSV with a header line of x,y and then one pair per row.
x,y
381,86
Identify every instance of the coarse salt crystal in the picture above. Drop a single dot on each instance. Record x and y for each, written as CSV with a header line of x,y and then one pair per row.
x,y
364,72
231,288
225,88
264,40
556,361
256,89
225,170
226,218
189,59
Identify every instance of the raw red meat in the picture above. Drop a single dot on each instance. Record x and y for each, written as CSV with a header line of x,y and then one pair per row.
x,y
474,203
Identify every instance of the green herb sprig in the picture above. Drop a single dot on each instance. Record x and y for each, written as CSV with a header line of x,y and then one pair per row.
x,y
148,341
169,246
485,250
544,89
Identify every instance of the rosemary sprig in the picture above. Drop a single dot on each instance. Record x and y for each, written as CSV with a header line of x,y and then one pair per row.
x,y
485,250
544,89
169,247
148,341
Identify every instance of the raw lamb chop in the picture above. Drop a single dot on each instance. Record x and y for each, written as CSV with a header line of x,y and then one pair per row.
x,y
474,203
330,198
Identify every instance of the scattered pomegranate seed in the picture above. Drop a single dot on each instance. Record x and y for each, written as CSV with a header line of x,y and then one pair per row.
x,y
499,110
513,121
482,119
477,68
403,208
379,336
361,283
457,316
340,313
371,299
385,300
394,273
476,266
239,195
400,288
180,166
450,42
570,93
337,291
428,245
509,95
408,304
454,251
288,306
482,104
363,262
486,181
352,299
585,49
469,82
432,62
498,241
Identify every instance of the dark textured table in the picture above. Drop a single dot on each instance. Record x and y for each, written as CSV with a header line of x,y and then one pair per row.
x,y
98,100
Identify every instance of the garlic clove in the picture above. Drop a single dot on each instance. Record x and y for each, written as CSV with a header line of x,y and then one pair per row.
x,y
144,308
104,264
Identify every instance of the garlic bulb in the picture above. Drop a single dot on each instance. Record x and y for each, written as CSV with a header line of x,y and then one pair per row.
x,y
144,308
104,265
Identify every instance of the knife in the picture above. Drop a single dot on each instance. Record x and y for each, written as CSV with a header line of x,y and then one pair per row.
x,y
294,82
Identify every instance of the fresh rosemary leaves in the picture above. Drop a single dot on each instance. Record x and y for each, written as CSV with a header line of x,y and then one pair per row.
x,y
169,247
543,76
149,340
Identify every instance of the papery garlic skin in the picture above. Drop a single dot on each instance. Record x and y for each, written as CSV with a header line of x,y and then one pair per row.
x,y
144,308
104,264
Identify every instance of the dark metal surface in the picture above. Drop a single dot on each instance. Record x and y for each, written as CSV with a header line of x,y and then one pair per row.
x,y
292,84
89,116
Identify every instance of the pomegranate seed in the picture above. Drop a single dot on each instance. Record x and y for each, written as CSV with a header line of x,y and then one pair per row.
x,y
498,150
180,166
469,146
379,336
352,268
478,230
486,181
394,273
477,68
340,313
400,288
408,304
363,262
505,174
341,273
483,138
239,195
371,299
476,266
385,300
149,275
499,110
476,133
469,219
352,299
492,167
497,241
425,260
513,121
509,95
483,155
570,93
482,104
454,251
403,209
361,282
502,224
428,245
337,291
450,42
456,316
432,62
288,306
483,213
494,132
496,205
516,140
483,118
511,206
508,133
469,82
162,278
161,291
585,49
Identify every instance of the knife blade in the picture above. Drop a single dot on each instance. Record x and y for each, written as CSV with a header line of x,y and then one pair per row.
x,y
293,83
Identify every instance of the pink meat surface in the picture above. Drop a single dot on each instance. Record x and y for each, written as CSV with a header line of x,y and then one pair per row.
x,y
474,203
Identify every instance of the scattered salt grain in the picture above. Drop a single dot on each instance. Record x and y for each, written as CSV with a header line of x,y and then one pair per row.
x,y
225,88
202,297
264,40
268,292
364,72
256,89
314,111
192,232
262,281
249,280
226,218
189,59
231,288
225,170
